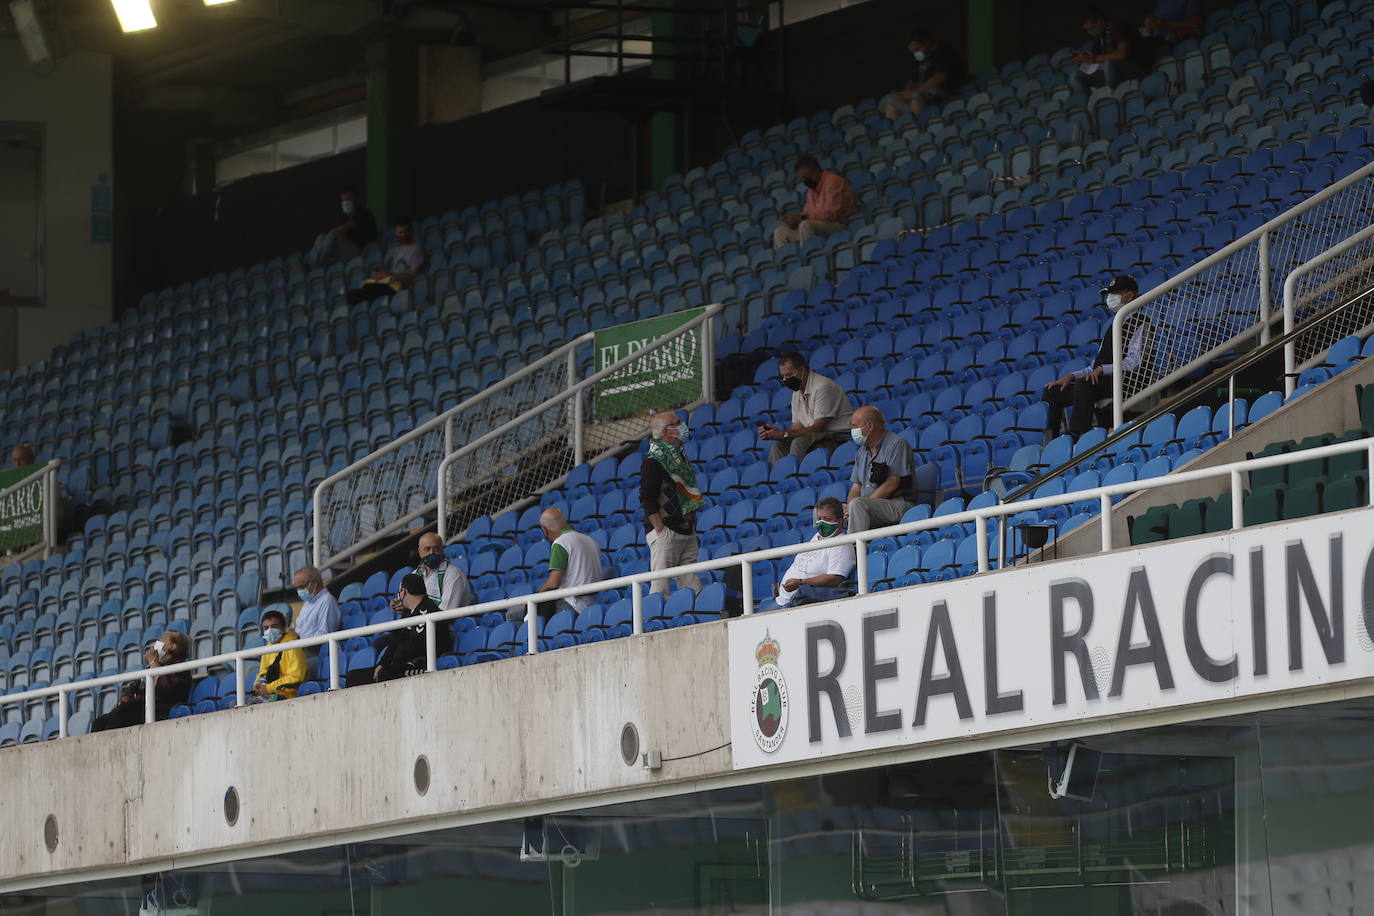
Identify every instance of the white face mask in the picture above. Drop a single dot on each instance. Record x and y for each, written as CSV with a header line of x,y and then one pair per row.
x,y
1113,301
919,55
159,646
347,206
857,435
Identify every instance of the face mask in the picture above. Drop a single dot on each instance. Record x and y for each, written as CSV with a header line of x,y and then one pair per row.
x,y
684,432
304,593
159,646
347,206
810,183
827,529
857,435
794,383
919,55
1098,31
1113,301
271,635
403,238
434,560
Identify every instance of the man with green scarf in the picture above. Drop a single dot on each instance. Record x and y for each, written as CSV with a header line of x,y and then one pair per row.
x,y
669,495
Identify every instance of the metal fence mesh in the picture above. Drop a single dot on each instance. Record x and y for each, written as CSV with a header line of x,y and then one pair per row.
x,y
401,485
1210,310
1346,278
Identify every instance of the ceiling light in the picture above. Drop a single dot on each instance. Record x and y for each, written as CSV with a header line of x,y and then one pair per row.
x,y
135,15
217,2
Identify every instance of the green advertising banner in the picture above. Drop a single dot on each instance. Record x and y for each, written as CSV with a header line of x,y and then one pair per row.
x,y
21,510
666,378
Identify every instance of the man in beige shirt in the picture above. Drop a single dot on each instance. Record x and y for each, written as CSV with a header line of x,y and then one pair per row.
x,y
820,411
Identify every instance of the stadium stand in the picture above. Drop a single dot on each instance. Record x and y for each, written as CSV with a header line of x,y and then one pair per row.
x,y
190,470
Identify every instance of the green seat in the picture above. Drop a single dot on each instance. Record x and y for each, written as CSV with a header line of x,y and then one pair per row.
x,y
1269,477
1152,525
1300,472
1303,500
1263,504
1365,393
1338,466
1348,492
1217,514
1187,519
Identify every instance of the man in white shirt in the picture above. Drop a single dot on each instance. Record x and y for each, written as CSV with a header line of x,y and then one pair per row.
x,y
404,261
820,412
446,584
319,611
1082,388
574,559
820,574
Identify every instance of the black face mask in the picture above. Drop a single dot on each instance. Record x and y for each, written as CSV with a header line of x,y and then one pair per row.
x,y
794,383
810,183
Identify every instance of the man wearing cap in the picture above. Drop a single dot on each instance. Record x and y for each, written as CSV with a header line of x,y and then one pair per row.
x,y
1081,389
402,652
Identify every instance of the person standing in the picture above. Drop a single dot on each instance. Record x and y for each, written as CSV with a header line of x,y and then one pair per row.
x,y
670,499
574,559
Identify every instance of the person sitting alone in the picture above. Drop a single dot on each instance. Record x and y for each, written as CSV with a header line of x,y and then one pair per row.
x,y
829,202
937,73
281,673
168,689
820,574
404,262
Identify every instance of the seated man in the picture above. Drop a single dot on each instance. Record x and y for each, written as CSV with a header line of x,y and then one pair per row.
x,y
445,584
319,611
350,235
937,74
281,673
1118,52
829,202
820,412
403,264
168,689
882,485
22,456
402,652
1082,388
820,574
574,559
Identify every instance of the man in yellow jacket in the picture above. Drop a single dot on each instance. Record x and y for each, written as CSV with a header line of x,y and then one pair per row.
x,y
281,673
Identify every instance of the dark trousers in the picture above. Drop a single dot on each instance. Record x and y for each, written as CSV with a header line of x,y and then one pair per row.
x,y
1081,395
122,716
388,673
368,292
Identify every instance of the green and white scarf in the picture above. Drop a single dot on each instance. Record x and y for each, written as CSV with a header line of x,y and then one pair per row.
x,y
672,459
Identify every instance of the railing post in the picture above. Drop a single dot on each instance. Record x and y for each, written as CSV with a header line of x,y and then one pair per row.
x,y
1105,520
1290,346
708,361
448,435
1118,378
532,626
431,645
1231,406
149,698
61,712
578,420
1237,501
1265,296
240,685
333,664
746,585
441,501
980,531
861,567
317,545
637,607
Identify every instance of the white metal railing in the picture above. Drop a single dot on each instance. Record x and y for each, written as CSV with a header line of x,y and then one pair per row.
x,y
484,473
561,365
1337,278
1234,473
46,479
1226,299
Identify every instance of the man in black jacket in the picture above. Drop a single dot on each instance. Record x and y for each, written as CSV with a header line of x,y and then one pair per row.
x,y
402,652
670,498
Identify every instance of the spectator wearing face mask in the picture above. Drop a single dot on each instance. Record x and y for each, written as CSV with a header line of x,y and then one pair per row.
x,y
882,485
404,262
282,672
829,202
1083,388
350,235
402,652
319,611
1118,52
938,72
820,574
820,411
168,689
670,498
445,584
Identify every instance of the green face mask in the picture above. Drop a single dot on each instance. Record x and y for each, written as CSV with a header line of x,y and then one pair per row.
x,y
827,528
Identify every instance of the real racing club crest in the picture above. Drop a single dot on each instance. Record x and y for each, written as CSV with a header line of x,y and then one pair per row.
x,y
769,705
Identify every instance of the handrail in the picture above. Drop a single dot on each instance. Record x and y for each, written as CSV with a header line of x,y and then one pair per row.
x,y
708,313
1235,472
445,418
1201,386
46,476
1261,235
1290,350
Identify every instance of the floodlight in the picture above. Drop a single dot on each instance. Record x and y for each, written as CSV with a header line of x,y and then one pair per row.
x,y
135,15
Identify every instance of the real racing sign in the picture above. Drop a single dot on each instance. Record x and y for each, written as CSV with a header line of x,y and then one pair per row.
x,y
1255,612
